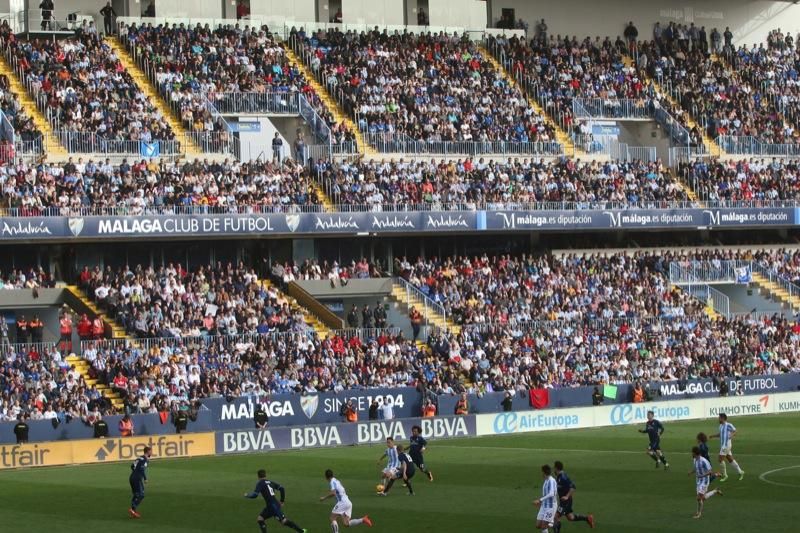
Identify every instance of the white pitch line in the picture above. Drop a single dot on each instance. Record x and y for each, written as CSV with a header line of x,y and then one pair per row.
x,y
763,477
593,451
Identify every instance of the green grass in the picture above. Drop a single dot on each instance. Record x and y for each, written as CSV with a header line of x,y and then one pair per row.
x,y
481,485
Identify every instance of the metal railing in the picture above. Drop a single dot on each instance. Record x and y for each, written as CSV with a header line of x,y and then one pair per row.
x,y
415,296
92,143
400,143
42,348
612,108
711,297
748,145
775,277
704,272
270,103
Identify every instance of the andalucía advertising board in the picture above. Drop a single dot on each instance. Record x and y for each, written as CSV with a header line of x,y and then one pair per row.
x,y
634,413
342,434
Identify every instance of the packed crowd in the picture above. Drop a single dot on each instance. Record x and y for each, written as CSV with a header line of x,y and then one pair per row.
x,y
745,180
427,87
83,87
41,385
504,289
153,186
196,64
169,301
738,97
24,127
479,184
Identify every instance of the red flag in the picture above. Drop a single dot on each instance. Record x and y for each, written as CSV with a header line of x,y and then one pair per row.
x,y
540,398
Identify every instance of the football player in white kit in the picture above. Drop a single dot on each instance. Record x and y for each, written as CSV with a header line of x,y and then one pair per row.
x,y
702,471
344,507
548,502
726,433
392,462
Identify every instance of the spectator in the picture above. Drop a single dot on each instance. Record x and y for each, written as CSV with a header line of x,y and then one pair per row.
x,y
422,17
47,7
373,409
415,318
277,147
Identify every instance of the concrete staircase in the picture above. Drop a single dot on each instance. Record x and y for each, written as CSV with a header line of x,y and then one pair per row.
x,y
117,331
775,291
327,204
562,136
52,148
82,366
188,146
408,300
710,144
333,106
321,329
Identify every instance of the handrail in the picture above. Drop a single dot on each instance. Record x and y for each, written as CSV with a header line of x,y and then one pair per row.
x,y
314,306
427,302
774,277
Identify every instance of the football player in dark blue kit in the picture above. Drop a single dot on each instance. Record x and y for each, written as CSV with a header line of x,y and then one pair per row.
x,y
415,450
566,488
405,472
654,430
267,489
137,479
702,444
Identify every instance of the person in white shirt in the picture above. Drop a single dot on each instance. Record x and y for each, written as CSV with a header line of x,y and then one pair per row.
x,y
547,504
343,509
387,409
726,433
702,471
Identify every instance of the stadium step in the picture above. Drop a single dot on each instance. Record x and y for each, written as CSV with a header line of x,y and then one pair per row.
x,y
117,331
82,366
330,103
775,291
710,144
188,146
316,324
52,148
561,136
409,300
327,204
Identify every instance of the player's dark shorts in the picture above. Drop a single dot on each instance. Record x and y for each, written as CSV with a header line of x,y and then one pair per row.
x,y
409,474
272,511
654,445
417,459
565,507
137,486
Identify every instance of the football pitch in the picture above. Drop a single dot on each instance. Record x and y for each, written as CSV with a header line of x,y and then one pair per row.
x,y
482,485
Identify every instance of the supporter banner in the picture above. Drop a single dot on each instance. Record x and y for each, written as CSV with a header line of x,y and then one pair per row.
x,y
104,450
323,408
200,225
342,434
630,413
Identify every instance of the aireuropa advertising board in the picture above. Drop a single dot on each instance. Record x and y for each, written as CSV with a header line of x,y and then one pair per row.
x,y
342,434
630,413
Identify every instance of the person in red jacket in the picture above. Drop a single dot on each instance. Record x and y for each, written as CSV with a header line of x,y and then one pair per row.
x,y
85,328
66,332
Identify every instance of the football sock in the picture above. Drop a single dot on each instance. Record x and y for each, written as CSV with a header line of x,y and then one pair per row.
x,y
654,457
699,506
408,484
735,465
334,527
710,494
724,469
262,526
292,525
356,522
580,518
557,527
663,458
389,486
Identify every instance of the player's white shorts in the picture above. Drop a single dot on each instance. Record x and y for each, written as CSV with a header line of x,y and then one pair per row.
x,y
702,487
344,507
391,472
547,515
727,449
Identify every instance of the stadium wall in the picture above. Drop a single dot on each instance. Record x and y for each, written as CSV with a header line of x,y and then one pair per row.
x,y
294,410
749,21
364,433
